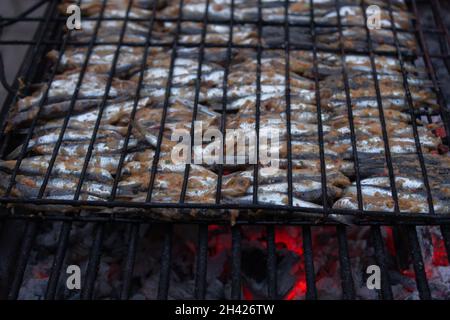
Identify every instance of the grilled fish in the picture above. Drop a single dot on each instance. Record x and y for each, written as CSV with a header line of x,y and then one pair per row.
x,y
63,87
380,199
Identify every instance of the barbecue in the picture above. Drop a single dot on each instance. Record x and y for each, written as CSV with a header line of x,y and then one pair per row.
x,y
360,115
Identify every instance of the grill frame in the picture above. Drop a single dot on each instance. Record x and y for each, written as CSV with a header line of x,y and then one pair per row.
x,y
402,222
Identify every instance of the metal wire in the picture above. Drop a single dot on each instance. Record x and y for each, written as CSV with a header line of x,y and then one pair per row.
x,y
348,287
288,101
24,253
166,259
63,242
111,74
387,151
202,263
311,290
220,21
259,48
87,292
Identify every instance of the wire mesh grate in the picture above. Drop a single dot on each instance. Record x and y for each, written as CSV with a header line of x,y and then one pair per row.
x,y
287,46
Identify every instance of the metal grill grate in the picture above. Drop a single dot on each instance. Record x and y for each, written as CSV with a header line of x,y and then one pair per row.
x,y
50,35
61,42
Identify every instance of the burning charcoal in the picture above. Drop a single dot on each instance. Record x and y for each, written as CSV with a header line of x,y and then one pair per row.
x,y
254,261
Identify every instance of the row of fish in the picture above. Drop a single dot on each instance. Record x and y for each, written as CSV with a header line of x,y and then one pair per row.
x,y
327,32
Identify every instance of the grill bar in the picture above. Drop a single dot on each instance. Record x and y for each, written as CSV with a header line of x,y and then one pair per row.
x,y
237,21
319,110
68,115
24,253
135,104
87,292
288,102
236,263
111,74
387,150
311,290
124,218
225,101
28,68
411,111
430,68
33,124
271,264
165,107
270,225
348,289
201,56
166,258
419,267
3,80
202,262
349,108
380,256
58,261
